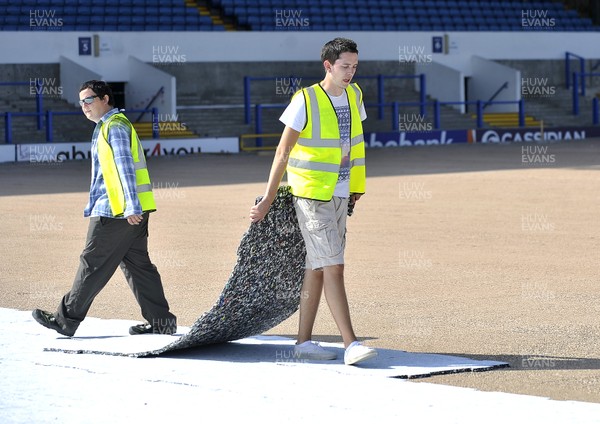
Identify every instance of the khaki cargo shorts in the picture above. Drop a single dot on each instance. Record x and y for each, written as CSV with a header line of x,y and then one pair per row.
x,y
323,227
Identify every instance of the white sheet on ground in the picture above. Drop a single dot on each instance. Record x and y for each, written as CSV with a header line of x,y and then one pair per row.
x,y
236,381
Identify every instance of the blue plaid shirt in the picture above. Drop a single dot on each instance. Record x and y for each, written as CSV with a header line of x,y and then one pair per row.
x,y
119,138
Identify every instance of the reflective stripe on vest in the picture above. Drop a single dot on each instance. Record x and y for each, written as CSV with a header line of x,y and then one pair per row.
x,y
314,162
112,181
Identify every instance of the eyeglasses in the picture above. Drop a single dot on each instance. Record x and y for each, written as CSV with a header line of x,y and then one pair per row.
x,y
87,100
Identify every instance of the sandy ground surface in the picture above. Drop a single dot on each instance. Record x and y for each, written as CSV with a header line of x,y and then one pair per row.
x,y
483,251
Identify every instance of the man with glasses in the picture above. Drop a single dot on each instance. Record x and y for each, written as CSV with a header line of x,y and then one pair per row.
x,y
120,201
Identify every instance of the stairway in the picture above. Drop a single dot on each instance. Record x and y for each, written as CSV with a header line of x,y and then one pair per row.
x,y
215,13
507,120
173,129
66,128
557,110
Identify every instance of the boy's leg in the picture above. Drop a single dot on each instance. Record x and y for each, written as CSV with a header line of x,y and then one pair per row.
x,y
309,303
323,226
335,294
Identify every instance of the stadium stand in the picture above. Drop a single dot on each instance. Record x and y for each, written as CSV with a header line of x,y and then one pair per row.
x,y
111,15
271,15
205,118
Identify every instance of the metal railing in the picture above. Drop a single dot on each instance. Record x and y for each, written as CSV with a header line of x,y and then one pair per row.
x,y
147,109
579,81
48,119
39,97
395,111
502,87
568,67
576,81
294,85
480,105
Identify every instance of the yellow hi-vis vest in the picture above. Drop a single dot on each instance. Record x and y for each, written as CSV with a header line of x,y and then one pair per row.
x,y
314,162
114,189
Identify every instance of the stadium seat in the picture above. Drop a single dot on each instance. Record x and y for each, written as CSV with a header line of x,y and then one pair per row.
x,y
434,15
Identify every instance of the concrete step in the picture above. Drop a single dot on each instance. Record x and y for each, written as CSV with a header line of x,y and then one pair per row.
x,y
557,109
172,129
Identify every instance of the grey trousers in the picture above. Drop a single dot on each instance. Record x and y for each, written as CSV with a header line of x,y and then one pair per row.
x,y
112,243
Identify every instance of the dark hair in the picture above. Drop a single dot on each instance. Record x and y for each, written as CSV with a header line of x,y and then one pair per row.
x,y
100,88
333,49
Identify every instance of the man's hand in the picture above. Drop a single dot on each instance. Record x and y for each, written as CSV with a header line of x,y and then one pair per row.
x,y
354,197
260,210
135,219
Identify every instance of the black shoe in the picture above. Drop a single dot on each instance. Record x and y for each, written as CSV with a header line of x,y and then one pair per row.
x,y
48,320
148,329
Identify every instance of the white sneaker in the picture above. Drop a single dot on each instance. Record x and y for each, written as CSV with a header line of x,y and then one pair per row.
x,y
358,352
313,351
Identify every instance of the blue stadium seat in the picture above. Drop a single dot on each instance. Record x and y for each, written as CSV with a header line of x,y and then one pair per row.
x,y
374,15
97,20
179,21
436,20
151,20
81,19
11,20
152,10
111,11
182,10
138,20
123,20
